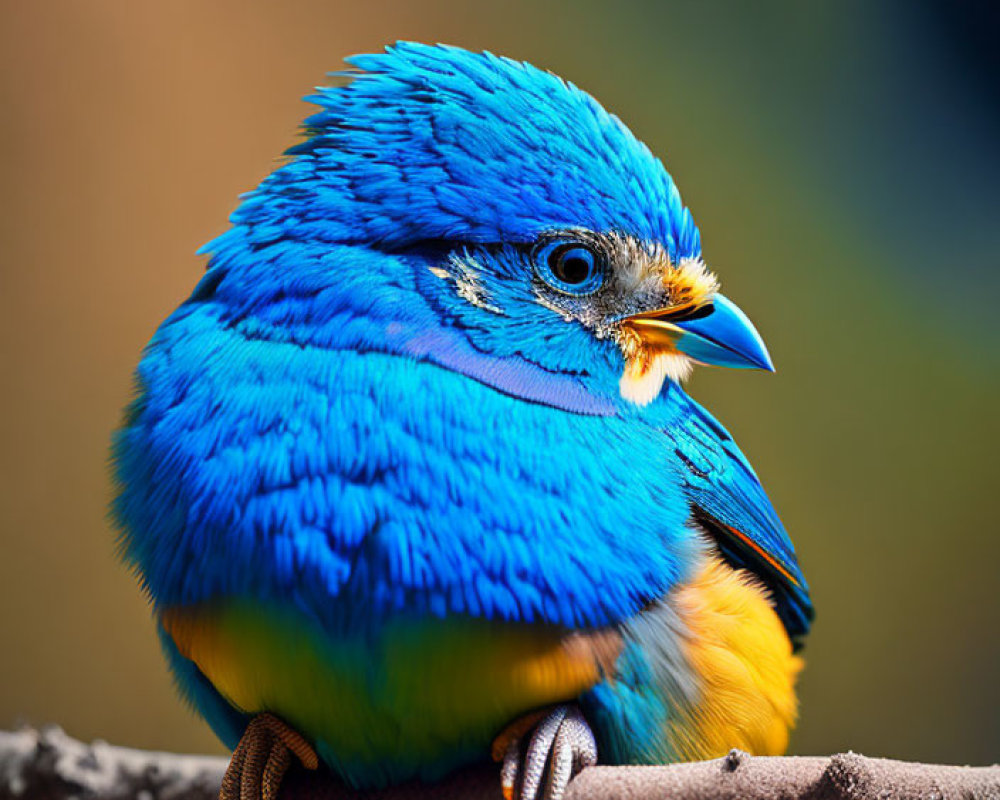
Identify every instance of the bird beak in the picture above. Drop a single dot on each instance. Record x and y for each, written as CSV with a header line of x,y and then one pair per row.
x,y
716,333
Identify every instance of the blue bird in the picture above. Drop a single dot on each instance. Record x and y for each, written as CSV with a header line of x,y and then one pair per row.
x,y
410,478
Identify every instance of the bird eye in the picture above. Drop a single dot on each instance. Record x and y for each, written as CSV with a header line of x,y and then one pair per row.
x,y
571,267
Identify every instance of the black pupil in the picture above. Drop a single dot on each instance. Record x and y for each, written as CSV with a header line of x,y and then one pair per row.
x,y
572,267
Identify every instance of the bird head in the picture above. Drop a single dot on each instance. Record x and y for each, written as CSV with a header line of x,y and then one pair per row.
x,y
480,203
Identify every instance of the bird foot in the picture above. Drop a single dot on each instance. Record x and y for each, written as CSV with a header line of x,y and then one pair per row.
x,y
261,759
557,742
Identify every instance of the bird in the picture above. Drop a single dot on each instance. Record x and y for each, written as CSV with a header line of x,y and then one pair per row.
x,y
411,480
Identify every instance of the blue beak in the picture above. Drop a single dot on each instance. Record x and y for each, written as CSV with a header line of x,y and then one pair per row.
x,y
724,337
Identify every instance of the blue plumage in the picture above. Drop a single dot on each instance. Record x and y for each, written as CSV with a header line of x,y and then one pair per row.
x,y
431,143
722,487
376,403
219,475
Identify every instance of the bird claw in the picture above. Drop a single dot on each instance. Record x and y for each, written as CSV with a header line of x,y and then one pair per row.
x,y
560,745
261,759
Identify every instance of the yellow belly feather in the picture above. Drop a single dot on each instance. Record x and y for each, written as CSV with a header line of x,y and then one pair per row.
x,y
743,658
424,686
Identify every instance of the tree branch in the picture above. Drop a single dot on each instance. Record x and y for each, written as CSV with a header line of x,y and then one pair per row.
x,y
49,764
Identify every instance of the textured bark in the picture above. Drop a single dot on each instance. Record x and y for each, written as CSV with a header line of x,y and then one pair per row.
x,y
50,765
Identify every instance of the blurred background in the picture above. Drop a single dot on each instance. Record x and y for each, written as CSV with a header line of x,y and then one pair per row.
x,y
842,160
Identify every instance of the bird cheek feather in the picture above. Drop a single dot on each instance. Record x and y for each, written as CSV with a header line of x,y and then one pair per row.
x,y
649,340
644,376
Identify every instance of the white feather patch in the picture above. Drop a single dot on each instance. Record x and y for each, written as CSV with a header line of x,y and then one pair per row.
x,y
641,383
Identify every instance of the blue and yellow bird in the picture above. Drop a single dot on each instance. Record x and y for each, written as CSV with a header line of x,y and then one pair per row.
x,y
410,478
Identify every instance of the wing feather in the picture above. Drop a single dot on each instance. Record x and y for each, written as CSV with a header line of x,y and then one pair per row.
x,y
729,503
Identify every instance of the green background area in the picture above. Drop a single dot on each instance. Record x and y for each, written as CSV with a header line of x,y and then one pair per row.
x,y
841,160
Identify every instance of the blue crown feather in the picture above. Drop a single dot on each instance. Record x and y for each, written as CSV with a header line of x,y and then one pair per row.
x,y
433,142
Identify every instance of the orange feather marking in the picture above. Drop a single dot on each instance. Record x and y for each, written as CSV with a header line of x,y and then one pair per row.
x,y
768,558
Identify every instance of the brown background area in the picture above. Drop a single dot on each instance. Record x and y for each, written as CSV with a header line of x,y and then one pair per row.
x,y
841,161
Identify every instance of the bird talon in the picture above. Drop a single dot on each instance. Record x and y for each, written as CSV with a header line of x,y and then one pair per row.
x,y
514,732
560,745
262,758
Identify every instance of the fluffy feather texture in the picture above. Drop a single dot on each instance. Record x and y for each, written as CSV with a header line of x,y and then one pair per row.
x,y
370,706
365,413
435,143
708,669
